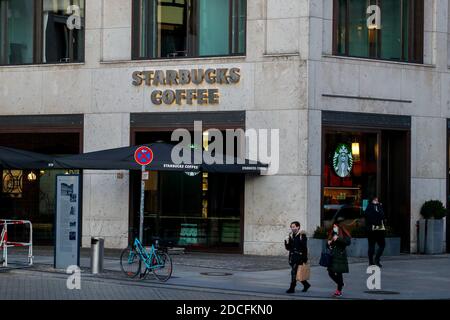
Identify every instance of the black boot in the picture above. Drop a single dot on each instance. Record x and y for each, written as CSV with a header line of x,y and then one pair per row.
x,y
377,262
291,288
306,286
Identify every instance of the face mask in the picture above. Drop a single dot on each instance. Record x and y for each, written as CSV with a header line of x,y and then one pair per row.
x,y
335,229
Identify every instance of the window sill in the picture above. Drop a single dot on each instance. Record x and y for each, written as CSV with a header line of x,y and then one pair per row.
x,y
379,61
174,60
277,55
41,65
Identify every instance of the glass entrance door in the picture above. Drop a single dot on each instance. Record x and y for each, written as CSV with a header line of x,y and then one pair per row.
x,y
195,210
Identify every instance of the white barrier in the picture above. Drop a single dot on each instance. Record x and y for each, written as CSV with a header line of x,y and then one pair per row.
x,y
5,244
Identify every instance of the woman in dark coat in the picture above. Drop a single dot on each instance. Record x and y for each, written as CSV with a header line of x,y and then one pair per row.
x,y
297,245
338,239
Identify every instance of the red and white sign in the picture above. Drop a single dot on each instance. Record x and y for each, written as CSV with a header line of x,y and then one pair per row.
x,y
143,156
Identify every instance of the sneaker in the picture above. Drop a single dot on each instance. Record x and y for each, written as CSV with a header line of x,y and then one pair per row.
x,y
337,293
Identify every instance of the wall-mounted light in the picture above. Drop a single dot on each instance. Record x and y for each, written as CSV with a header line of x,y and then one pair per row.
x,y
355,151
205,140
32,176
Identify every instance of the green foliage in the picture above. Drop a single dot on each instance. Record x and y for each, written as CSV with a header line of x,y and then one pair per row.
x,y
390,233
320,233
433,209
358,232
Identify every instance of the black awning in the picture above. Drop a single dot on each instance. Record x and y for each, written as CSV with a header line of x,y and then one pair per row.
x,y
20,159
123,159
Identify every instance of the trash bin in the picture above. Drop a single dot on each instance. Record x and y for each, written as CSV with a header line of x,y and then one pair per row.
x,y
97,250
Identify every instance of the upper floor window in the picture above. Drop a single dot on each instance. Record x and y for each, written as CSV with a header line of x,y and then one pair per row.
x,y
41,31
379,29
188,28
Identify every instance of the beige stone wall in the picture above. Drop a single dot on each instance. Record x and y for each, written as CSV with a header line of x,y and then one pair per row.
x,y
272,90
287,69
427,86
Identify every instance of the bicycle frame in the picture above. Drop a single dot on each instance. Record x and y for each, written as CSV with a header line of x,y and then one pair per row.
x,y
146,256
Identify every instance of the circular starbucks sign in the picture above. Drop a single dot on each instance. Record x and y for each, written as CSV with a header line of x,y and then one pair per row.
x,y
342,161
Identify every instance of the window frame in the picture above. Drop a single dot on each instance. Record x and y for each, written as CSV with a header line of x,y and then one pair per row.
x,y
192,45
415,43
38,38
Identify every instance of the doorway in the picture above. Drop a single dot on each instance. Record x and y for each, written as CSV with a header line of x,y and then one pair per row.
x,y
199,211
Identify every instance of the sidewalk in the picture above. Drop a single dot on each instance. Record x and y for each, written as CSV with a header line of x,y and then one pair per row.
x,y
247,277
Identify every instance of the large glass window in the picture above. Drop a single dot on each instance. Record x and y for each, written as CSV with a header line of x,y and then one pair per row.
x,y
360,164
379,29
188,28
30,194
16,31
350,174
44,31
63,36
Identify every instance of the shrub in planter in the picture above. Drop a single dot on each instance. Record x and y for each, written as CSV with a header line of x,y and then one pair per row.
x,y
358,232
433,209
360,245
431,227
320,233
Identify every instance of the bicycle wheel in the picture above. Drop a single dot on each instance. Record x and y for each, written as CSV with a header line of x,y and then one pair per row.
x,y
164,271
130,263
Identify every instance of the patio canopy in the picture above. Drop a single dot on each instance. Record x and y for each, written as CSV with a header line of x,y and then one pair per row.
x,y
123,159
20,159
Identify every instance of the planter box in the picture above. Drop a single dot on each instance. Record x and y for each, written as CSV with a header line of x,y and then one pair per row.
x,y
358,248
393,247
431,236
315,247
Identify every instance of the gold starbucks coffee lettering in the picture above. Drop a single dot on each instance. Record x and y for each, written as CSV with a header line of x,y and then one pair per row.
x,y
182,77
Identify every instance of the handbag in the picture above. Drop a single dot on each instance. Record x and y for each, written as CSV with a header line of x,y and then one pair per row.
x,y
325,258
303,272
379,228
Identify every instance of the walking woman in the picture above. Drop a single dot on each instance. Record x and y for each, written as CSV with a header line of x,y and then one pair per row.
x,y
339,238
297,245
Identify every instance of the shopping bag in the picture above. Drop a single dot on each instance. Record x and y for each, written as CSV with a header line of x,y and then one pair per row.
x,y
303,272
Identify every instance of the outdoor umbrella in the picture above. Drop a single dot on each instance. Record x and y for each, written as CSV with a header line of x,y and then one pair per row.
x,y
123,159
20,159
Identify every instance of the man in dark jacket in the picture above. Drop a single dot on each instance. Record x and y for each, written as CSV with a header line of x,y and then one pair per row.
x,y
376,230
298,254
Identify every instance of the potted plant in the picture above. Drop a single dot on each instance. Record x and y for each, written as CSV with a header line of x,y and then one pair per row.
x,y
431,227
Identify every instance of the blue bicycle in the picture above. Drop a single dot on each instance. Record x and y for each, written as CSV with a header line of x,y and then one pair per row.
x,y
154,260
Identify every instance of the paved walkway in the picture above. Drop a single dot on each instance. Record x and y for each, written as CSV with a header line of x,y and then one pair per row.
x,y
224,276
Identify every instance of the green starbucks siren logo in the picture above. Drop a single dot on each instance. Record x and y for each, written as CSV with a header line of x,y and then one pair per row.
x,y
342,161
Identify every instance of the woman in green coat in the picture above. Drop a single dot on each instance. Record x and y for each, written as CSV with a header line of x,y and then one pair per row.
x,y
338,240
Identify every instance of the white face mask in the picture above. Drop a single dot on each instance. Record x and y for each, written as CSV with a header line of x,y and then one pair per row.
x,y
335,229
